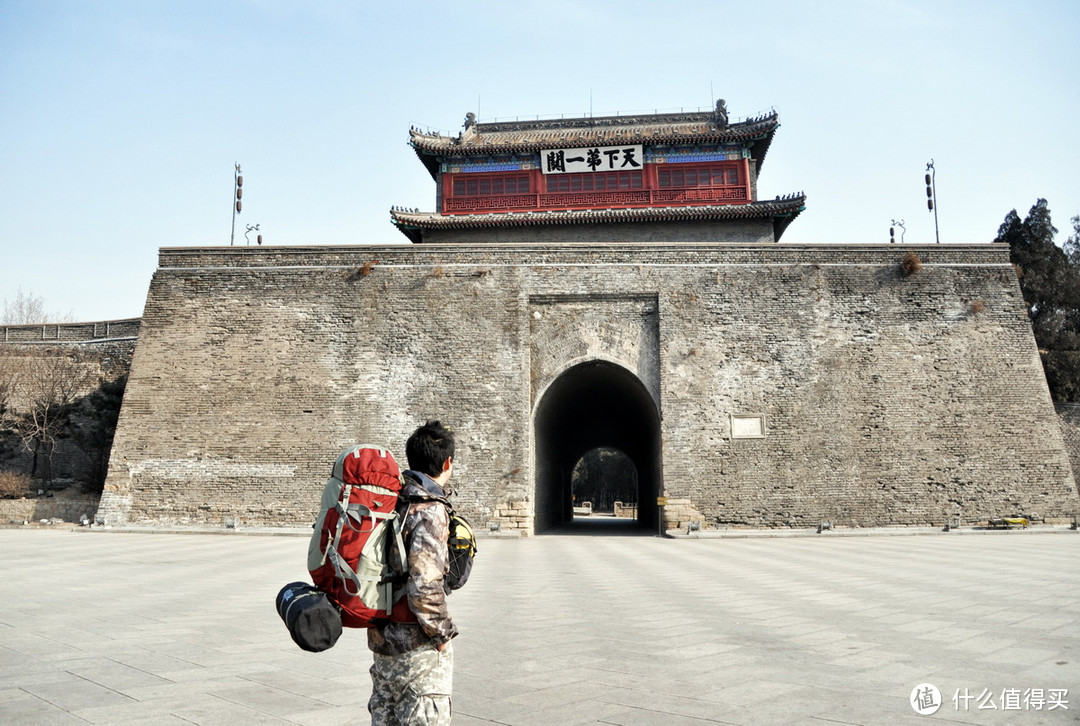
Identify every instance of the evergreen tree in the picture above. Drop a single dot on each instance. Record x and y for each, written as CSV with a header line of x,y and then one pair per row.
x,y
1072,244
1050,280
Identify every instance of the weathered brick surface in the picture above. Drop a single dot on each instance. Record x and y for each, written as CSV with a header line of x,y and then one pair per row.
x,y
619,327
66,507
886,399
1069,416
680,513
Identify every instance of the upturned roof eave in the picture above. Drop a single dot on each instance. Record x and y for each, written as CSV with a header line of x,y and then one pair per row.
x,y
430,161
432,148
761,147
782,211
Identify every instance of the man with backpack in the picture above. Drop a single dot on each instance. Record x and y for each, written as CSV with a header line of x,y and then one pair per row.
x,y
412,673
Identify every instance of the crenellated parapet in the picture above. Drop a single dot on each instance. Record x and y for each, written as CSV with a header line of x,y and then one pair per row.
x,y
71,333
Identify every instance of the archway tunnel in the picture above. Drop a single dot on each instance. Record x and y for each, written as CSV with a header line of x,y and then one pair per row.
x,y
594,405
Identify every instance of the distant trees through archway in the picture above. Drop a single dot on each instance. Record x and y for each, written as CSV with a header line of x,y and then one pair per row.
x,y
603,476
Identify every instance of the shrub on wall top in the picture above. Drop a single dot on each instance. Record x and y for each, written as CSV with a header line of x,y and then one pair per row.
x,y
910,264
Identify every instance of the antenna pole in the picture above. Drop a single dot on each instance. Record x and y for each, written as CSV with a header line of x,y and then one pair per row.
x,y
238,192
931,196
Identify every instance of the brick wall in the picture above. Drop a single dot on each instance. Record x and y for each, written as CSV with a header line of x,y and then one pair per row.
x,y
1069,415
886,399
64,506
105,358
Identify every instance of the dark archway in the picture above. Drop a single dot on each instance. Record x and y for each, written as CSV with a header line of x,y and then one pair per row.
x,y
592,405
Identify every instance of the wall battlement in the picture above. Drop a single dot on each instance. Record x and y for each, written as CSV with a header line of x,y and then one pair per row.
x,y
70,333
671,253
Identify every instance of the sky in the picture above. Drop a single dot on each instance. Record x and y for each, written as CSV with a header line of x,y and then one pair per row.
x,y
121,120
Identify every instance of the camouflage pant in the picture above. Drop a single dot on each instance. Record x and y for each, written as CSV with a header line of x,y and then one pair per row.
x,y
412,689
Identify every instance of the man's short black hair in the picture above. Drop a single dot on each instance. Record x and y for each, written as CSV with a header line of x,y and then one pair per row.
x,y
428,447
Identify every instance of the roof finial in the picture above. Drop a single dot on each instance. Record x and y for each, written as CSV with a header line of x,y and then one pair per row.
x,y
470,120
721,113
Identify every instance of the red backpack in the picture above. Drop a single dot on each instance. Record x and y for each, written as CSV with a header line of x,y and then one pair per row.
x,y
347,555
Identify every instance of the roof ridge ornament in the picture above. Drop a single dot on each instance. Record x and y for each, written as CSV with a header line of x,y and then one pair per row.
x,y
469,126
721,113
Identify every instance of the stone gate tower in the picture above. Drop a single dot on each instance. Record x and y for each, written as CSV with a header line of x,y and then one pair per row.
x,y
596,283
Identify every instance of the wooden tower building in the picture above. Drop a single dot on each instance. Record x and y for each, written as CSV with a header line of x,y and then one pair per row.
x,y
643,178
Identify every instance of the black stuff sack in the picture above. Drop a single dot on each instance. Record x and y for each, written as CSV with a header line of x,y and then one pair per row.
x,y
313,621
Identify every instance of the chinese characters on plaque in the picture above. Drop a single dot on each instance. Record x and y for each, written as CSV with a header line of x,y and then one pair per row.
x,y
592,158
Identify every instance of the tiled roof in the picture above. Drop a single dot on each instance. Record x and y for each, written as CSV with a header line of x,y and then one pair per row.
x,y
524,136
782,210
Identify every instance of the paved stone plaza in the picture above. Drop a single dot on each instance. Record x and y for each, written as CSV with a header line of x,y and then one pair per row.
x,y
134,628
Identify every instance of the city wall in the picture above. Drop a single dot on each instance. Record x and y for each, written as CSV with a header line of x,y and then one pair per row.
x,y
880,398
105,350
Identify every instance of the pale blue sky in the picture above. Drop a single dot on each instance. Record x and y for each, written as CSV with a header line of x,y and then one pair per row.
x,y
120,121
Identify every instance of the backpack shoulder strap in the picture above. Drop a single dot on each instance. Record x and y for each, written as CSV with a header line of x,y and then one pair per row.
x,y
399,565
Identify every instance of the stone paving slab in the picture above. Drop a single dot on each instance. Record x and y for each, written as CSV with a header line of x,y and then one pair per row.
x,y
577,628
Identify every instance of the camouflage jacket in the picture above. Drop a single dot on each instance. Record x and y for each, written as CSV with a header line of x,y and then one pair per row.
x,y
425,530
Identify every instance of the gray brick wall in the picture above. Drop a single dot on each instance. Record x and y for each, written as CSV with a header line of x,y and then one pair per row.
x,y
886,399
1069,415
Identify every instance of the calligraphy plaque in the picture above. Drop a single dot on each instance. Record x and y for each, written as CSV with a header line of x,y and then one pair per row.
x,y
592,158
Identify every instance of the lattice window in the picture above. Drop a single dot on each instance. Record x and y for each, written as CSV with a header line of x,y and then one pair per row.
x,y
599,182
688,177
491,185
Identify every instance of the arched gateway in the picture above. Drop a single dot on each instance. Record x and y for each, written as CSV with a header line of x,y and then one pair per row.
x,y
593,404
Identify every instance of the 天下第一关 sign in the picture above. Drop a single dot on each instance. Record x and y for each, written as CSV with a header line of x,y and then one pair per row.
x,y
592,158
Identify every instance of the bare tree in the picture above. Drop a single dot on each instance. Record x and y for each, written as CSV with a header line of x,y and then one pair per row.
x,y
9,377
48,386
27,308
11,366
